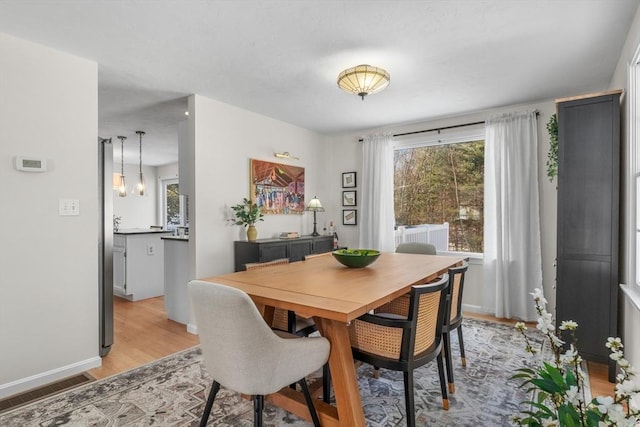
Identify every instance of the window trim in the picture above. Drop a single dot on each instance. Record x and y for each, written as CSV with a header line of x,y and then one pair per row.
x,y
454,136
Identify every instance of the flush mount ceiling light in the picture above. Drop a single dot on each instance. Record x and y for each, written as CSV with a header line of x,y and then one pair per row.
x,y
363,80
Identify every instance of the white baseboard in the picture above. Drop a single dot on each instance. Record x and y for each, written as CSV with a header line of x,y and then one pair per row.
x,y
192,329
473,309
38,380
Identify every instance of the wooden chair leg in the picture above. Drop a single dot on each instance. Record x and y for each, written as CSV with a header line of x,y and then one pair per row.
x,y
309,400
443,387
447,356
258,406
207,409
408,399
461,342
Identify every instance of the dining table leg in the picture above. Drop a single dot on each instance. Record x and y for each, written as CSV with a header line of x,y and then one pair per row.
x,y
343,373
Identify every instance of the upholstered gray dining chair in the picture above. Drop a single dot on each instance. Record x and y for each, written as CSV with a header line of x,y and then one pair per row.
x,y
242,353
416,248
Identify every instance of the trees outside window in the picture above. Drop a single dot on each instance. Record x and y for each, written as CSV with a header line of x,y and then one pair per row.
x,y
443,183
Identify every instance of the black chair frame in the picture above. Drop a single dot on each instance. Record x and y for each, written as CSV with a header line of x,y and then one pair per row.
x,y
407,361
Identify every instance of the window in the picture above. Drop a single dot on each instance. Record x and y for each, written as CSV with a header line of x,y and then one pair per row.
x,y
173,205
439,195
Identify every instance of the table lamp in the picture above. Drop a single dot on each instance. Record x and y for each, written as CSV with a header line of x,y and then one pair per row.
x,y
314,206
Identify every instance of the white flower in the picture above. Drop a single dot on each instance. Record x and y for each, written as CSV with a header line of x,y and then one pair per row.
x,y
568,325
569,356
549,422
626,388
545,322
614,343
573,395
521,326
604,403
556,340
538,296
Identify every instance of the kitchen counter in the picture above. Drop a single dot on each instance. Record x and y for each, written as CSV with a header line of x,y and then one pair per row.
x,y
177,238
129,231
138,263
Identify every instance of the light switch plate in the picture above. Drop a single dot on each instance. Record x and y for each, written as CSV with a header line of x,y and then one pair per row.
x,y
69,207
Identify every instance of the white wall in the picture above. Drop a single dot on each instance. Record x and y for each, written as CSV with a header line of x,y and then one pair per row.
x,y
134,210
223,140
345,154
49,263
629,317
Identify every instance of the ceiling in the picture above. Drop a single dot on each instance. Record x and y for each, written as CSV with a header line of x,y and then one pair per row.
x,y
280,58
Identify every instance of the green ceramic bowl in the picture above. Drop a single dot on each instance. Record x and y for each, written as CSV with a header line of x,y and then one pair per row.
x,y
356,258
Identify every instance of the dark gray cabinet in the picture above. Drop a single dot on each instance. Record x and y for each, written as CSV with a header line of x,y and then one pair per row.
x,y
263,250
588,210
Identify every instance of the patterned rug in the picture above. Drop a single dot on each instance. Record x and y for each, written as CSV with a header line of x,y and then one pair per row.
x,y
172,392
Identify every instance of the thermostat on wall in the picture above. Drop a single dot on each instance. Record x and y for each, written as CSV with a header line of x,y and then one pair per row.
x,y
31,164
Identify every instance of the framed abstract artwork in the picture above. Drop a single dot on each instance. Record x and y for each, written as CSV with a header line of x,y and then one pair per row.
x,y
277,188
348,180
349,198
349,217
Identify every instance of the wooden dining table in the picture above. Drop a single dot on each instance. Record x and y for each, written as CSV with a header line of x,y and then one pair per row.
x,y
334,295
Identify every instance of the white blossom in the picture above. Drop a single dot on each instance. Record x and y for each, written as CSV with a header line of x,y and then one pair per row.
x,y
568,325
538,296
545,323
604,403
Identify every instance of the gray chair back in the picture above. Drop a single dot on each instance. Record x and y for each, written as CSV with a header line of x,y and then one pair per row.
x,y
416,248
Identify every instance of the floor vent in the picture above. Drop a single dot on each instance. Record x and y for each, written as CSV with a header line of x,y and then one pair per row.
x,y
44,391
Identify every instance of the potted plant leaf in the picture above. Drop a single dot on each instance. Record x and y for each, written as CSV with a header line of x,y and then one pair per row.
x,y
247,214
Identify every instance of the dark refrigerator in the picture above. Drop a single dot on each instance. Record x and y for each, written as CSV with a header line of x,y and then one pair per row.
x,y
105,244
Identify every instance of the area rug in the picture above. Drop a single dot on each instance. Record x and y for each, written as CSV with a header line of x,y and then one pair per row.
x,y
172,392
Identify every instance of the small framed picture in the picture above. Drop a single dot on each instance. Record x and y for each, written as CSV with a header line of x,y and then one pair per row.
x,y
348,180
349,198
349,217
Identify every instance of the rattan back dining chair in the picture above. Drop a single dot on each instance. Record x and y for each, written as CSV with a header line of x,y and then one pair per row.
x,y
416,248
242,353
286,320
453,320
405,334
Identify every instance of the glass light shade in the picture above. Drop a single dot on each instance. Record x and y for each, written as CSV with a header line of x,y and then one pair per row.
x,y
141,186
122,187
363,80
315,205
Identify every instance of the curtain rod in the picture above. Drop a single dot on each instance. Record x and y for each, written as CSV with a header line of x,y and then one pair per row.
x,y
439,129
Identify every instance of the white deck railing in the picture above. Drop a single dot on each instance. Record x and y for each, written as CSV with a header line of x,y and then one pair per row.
x,y
436,234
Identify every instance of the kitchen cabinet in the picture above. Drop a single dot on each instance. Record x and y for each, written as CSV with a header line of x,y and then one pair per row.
x,y
588,212
138,259
263,250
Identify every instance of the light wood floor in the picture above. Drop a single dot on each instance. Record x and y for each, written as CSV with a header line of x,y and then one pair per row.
x,y
144,334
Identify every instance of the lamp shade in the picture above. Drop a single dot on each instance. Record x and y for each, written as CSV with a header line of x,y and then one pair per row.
x,y
314,205
363,80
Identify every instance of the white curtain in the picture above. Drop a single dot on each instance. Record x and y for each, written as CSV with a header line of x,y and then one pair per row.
x,y
512,254
376,212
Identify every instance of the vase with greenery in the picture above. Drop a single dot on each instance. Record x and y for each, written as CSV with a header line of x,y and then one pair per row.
x,y
247,214
552,155
557,386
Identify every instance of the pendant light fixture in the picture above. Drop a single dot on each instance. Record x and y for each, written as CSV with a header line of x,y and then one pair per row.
x,y
363,80
122,187
141,181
